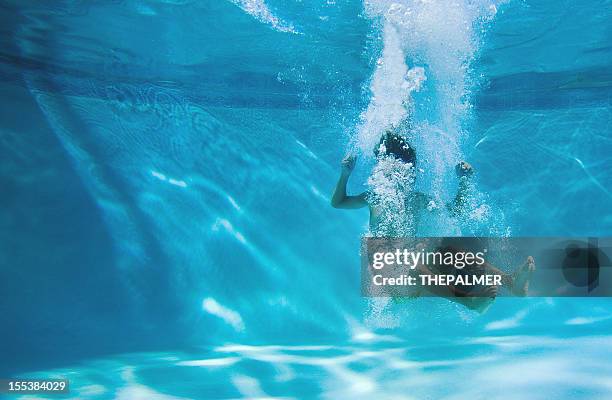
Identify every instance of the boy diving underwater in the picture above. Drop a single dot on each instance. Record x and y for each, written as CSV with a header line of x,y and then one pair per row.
x,y
396,209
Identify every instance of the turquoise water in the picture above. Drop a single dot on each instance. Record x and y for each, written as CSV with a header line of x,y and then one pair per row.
x,y
166,172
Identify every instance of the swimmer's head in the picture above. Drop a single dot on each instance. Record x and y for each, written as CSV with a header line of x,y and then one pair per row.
x,y
392,144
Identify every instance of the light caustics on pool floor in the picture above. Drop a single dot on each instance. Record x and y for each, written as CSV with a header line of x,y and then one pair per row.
x,y
486,367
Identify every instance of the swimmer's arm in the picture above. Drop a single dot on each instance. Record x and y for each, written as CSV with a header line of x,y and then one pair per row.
x,y
340,199
458,205
358,201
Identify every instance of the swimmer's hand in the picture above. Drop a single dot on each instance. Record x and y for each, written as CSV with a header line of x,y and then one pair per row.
x,y
340,199
464,169
348,164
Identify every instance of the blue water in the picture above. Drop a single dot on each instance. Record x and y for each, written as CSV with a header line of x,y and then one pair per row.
x,y
165,228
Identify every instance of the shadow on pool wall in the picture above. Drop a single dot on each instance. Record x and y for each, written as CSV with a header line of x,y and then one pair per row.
x,y
59,291
121,284
73,291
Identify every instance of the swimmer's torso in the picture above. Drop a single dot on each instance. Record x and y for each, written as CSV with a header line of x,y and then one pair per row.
x,y
396,217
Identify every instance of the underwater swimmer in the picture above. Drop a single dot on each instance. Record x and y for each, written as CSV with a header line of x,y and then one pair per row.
x,y
395,210
398,160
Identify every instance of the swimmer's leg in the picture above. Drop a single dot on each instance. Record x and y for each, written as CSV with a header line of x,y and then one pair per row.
x,y
479,303
522,277
518,282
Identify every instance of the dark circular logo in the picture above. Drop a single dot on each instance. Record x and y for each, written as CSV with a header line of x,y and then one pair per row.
x,y
581,264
